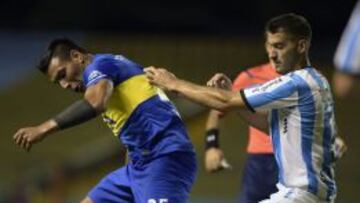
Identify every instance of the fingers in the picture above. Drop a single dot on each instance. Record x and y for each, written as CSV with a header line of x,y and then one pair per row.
x,y
217,165
28,146
219,80
23,142
26,143
225,164
211,163
150,72
210,83
153,71
214,161
212,167
18,136
213,80
340,148
22,139
150,69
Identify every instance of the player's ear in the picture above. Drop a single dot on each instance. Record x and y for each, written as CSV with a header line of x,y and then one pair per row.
x,y
75,55
302,46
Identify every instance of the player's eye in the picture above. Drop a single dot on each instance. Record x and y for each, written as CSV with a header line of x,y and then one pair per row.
x,y
61,75
279,45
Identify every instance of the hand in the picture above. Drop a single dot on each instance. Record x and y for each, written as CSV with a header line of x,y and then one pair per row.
x,y
340,147
161,77
220,80
215,161
26,137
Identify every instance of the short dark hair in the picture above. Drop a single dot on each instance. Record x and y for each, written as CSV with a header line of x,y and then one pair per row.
x,y
59,47
290,23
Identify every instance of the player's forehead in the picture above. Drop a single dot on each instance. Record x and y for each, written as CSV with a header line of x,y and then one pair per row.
x,y
55,64
277,37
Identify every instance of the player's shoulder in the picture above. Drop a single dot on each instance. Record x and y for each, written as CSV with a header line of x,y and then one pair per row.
x,y
103,58
308,71
112,61
119,60
307,77
99,66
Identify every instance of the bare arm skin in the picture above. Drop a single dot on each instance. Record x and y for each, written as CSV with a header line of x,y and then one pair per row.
x,y
96,95
211,97
222,100
214,157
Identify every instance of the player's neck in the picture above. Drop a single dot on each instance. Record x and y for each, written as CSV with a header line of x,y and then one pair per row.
x,y
304,62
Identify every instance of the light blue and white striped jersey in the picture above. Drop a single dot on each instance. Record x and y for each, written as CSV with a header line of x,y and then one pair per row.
x,y
302,128
347,56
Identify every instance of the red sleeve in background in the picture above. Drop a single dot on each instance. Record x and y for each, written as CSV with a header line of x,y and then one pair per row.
x,y
241,81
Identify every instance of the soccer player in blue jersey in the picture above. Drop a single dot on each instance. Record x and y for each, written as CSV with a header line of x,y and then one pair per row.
x,y
162,165
296,108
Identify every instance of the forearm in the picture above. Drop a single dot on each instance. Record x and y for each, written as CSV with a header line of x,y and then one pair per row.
x,y
221,100
94,103
213,120
48,126
212,130
213,98
77,113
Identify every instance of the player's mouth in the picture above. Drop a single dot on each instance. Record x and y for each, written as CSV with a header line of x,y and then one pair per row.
x,y
276,62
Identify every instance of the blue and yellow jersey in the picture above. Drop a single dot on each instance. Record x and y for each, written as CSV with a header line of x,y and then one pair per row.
x,y
137,112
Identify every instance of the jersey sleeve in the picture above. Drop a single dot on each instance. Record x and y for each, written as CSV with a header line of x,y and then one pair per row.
x,y
116,69
277,93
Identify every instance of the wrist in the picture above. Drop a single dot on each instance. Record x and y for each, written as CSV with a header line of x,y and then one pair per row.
x,y
212,138
48,126
173,85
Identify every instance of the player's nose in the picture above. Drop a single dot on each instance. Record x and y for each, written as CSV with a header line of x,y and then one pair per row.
x,y
64,84
272,54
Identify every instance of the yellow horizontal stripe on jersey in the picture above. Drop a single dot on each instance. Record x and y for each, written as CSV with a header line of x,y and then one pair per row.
x,y
125,98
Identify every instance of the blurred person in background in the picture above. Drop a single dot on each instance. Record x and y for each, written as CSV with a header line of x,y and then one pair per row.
x,y
347,57
162,165
297,109
260,173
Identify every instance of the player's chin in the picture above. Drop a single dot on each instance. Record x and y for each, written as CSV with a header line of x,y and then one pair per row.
x,y
79,88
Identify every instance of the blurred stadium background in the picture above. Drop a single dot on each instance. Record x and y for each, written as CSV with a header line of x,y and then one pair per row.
x,y
193,39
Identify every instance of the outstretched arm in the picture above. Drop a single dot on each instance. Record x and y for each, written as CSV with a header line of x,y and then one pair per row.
x,y
214,98
94,102
211,97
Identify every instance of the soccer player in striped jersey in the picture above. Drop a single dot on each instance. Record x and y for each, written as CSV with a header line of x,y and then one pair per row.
x,y
260,171
297,109
347,57
162,165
